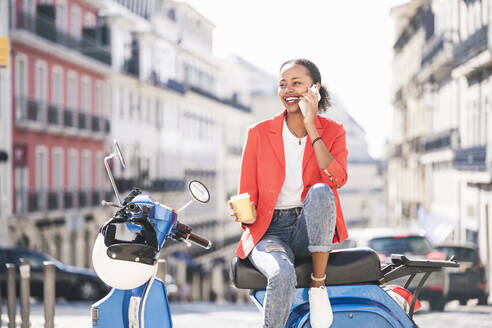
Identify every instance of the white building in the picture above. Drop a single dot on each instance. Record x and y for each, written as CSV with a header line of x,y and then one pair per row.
x,y
442,119
5,134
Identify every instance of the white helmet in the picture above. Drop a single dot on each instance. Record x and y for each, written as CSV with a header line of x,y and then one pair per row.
x,y
125,254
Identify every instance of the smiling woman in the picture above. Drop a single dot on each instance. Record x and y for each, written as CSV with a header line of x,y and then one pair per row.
x,y
291,167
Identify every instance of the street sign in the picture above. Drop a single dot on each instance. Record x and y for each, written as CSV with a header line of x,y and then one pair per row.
x,y
4,52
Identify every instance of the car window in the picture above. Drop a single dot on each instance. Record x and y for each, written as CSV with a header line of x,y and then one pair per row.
x,y
460,253
414,245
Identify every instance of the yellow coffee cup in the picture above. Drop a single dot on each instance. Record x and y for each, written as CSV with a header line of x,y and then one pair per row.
x,y
242,203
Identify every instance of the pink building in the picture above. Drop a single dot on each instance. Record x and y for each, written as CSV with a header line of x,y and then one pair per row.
x,y
60,61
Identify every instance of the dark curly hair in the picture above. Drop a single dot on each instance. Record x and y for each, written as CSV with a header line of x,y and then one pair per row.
x,y
313,70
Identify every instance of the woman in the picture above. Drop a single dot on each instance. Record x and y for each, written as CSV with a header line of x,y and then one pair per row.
x,y
291,167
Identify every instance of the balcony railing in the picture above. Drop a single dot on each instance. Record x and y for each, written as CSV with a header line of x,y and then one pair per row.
x,y
45,27
470,159
474,45
42,201
433,47
229,102
29,111
447,139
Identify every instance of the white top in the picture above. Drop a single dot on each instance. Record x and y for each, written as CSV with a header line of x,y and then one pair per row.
x,y
290,194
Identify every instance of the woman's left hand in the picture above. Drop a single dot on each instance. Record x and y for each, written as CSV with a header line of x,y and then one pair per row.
x,y
311,99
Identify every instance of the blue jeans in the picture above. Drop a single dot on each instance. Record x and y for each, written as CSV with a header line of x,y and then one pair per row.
x,y
293,233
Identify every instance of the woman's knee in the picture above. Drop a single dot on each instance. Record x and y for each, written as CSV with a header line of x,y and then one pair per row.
x,y
321,192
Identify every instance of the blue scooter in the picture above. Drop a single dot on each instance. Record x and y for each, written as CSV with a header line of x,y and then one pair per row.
x,y
355,282
126,252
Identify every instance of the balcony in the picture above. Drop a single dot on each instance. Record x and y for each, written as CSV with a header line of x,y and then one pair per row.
x,y
82,121
28,111
444,140
470,159
36,114
438,50
41,201
54,115
170,84
55,200
230,102
44,26
471,47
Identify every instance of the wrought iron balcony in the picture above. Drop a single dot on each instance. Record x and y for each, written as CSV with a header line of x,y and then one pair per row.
x,y
54,115
447,139
55,200
44,26
471,159
474,45
68,118
29,111
82,121
433,47
231,102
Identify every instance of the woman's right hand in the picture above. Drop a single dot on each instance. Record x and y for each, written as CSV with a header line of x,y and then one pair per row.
x,y
236,214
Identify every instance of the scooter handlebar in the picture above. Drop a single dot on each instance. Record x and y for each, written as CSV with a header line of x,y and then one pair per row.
x,y
205,243
183,232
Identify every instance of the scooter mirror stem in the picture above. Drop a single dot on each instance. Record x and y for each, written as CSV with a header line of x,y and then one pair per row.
x,y
116,192
185,206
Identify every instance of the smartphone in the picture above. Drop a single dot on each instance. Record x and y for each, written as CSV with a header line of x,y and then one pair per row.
x,y
303,105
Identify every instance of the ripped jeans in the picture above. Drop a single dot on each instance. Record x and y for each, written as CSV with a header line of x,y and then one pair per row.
x,y
293,233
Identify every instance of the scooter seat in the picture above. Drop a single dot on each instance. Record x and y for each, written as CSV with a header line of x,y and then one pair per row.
x,y
345,267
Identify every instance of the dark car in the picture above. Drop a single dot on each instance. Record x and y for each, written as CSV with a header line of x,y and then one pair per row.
x,y
72,283
469,280
415,246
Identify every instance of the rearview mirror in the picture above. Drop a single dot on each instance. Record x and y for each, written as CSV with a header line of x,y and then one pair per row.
x,y
199,191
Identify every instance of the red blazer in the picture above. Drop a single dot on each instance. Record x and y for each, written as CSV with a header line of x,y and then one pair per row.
x,y
263,173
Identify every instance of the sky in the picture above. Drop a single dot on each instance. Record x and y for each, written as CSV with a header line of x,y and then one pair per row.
x,y
350,41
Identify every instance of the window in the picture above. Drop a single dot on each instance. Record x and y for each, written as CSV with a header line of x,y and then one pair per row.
x,y
41,82
72,90
61,15
57,86
75,26
99,98
99,171
89,20
86,170
41,168
86,94
20,86
57,170
73,167
21,188
20,75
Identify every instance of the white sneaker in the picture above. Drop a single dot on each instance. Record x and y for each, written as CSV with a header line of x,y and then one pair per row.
x,y
321,315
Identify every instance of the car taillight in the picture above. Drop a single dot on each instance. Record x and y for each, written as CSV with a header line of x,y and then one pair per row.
x,y
483,286
399,237
436,288
382,257
436,256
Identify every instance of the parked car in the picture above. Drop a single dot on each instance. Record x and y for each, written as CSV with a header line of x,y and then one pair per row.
x,y
71,282
469,280
414,245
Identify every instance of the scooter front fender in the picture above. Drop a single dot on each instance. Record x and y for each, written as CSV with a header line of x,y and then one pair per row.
x,y
123,308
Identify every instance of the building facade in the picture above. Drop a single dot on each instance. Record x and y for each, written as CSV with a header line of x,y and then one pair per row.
x,y
177,119
60,126
5,134
440,163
